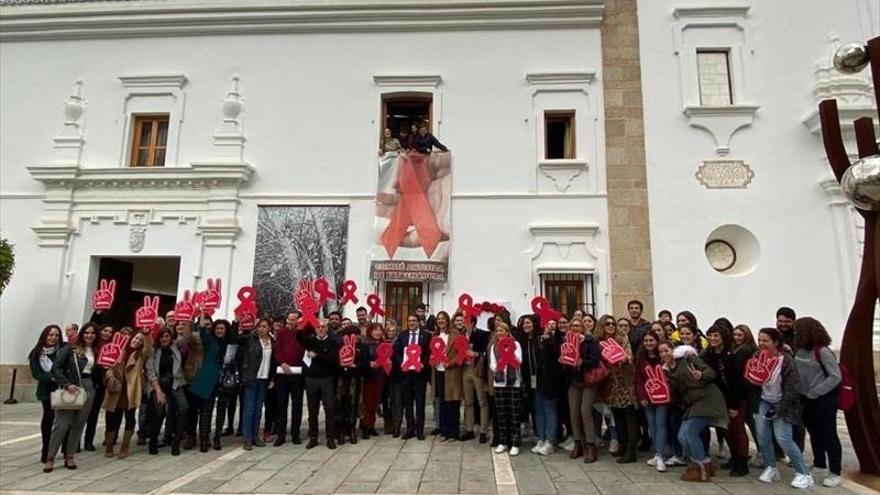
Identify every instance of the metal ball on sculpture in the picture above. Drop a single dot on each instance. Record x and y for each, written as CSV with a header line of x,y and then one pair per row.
x,y
861,183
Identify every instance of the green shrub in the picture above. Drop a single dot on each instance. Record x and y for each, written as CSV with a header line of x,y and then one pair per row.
x,y
7,263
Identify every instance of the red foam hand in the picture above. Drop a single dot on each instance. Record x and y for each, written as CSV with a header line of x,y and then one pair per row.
x,y
102,299
461,346
185,309
466,305
347,351
506,354
570,350
541,307
656,386
147,314
758,369
413,209
246,311
612,352
349,293
383,356
210,298
307,304
322,287
375,304
438,352
413,360
111,352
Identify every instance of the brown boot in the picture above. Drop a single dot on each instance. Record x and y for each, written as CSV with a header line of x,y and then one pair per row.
x,y
590,454
189,442
577,451
109,442
126,441
691,472
710,468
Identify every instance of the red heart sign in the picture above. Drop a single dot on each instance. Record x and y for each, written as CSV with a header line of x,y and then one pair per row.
x,y
147,314
656,386
246,311
102,299
185,309
612,352
111,352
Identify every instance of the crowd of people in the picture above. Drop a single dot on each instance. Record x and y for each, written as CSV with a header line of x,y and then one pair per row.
x,y
670,384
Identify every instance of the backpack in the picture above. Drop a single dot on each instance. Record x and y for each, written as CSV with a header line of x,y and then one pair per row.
x,y
847,395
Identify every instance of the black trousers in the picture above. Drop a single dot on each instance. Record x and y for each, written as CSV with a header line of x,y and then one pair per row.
x,y
413,393
627,422
46,429
114,419
289,388
269,408
92,422
318,391
194,403
820,419
176,410
348,394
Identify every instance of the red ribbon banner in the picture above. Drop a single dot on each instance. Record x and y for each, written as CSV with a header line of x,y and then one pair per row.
x,y
413,209
383,356
322,287
506,354
438,352
246,311
541,307
461,346
413,358
375,304
349,292
467,306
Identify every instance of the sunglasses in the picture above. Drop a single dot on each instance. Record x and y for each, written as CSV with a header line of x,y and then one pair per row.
x,y
609,323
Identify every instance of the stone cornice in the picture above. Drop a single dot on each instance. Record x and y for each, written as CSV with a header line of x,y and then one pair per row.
x,y
711,11
575,77
564,230
154,18
422,81
196,176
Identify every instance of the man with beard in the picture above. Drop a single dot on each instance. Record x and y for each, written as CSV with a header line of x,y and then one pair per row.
x,y
289,381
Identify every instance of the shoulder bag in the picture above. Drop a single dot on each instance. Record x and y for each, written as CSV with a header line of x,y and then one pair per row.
x,y
62,400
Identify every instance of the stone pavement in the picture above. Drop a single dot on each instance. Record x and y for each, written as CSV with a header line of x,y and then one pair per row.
x,y
384,465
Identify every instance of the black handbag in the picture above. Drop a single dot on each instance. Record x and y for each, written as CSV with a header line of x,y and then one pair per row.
x,y
230,380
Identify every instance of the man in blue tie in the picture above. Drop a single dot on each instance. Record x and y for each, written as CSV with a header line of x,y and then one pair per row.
x,y
414,383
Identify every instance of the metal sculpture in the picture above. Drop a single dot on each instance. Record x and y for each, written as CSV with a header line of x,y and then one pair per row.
x,y
860,181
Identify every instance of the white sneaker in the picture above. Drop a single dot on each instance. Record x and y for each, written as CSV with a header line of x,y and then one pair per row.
x,y
831,481
769,475
500,449
653,461
674,461
802,481
614,447
757,461
722,451
569,444
537,448
515,451
547,449
661,466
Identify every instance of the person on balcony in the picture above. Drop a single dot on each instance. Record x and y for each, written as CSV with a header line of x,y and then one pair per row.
x,y
424,142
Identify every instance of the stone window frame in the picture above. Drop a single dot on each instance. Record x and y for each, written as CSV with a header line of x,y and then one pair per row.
x,y
150,95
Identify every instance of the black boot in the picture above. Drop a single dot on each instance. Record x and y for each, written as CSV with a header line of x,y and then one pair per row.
x,y
175,446
217,442
203,444
154,446
740,466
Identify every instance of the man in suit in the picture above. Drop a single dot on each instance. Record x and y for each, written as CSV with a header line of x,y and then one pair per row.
x,y
414,383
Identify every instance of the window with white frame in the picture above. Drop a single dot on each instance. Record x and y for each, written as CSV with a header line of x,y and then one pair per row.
x,y
713,72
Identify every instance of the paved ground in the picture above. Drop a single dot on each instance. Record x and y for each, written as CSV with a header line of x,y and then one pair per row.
x,y
384,465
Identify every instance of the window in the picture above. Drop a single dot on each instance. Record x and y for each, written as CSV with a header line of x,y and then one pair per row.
x,y
568,292
150,135
713,68
559,135
401,299
400,111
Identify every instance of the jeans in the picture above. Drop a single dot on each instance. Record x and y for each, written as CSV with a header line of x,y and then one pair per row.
x,y
254,395
545,416
656,416
689,437
782,431
820,419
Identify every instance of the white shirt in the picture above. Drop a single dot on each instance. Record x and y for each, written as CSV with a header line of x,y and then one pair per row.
x,y
263,372
90,362
445,337
493,364
772,390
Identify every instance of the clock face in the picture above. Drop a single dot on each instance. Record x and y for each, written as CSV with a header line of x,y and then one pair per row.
x,y
721,255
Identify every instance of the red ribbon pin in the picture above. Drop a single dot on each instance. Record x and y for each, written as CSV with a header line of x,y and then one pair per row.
x,y
349,289
466,304
375,304
383,356
413,209
541,307
413,358
438,352
506,354
246,311
322,287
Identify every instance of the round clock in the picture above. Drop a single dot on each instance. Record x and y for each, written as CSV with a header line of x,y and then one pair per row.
x,y
721,255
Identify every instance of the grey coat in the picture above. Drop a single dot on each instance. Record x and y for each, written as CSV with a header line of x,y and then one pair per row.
x,y
152,366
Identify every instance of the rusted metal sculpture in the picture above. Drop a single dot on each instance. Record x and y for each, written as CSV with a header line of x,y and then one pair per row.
x,y
860,181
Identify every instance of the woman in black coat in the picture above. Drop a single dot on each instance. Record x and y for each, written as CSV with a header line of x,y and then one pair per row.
x,y
41,359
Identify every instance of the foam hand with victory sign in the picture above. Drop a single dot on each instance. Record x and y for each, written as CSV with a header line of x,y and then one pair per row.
x,y
147,314
570,350
758,369
102,299
185,309
210,298
111,352
347,351
612,352
656,386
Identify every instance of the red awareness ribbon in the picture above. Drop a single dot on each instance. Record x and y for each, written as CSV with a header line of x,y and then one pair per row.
x,y
383,356
413,358
246,311
309,307
375,304
349,289
461,346
322,287
413,209
438,352
541,307
466,304
506,354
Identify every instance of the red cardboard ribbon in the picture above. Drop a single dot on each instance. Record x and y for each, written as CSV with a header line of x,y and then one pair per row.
x,y
383,356
246,311
102,299
570,350
147,314
375,304
612,352
489,307
349,292
541,307
306,303
111,352
347,351
656,386
413,358
413,209
184,310
466,304
758,369
322,287
438,352
506,354
461,346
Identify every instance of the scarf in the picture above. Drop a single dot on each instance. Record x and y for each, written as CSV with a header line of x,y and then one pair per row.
x,y
46,358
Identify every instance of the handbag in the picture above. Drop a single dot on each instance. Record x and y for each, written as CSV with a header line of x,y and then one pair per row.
x,y
230,380
62,400
594,376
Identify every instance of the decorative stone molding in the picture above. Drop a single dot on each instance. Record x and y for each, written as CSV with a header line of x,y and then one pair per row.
x,y
576,77
229,138
157,18
724,174
407,80
562,172
721,122
196,176
150,94
165,81
567,248
69,142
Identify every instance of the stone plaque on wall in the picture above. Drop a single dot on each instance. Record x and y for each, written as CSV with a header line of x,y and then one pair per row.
x,y
725,174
